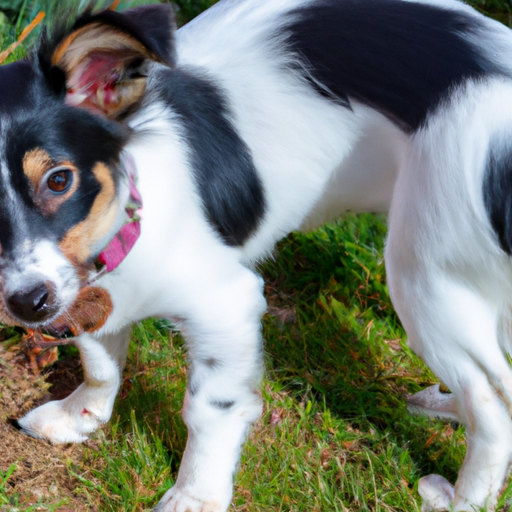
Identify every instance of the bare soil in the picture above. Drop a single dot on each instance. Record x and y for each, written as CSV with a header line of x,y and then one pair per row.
x,y
41,473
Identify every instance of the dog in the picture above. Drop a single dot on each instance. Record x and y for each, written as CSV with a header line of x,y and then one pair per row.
x,y
160,165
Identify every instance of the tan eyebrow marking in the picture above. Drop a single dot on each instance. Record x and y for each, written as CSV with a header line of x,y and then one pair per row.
x,y
78,244
35,164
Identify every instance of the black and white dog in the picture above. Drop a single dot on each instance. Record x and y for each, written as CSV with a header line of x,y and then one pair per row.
x,y
258,118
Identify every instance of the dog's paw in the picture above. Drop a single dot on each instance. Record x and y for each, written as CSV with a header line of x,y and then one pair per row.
x,y
175,500
437,493
53,422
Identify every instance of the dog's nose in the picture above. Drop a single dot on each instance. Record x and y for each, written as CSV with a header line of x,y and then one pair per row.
x,y
32,303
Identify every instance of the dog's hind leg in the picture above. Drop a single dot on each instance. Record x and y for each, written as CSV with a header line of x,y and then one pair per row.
x,y
90,405
484,408
454,327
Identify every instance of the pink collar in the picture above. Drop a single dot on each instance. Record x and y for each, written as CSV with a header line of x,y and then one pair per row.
x,y
119,247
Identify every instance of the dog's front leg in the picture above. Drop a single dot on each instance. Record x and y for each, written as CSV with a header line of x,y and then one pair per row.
x,y
90,405
222,398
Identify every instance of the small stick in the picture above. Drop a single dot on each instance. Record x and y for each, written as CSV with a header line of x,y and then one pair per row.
x,y
115,5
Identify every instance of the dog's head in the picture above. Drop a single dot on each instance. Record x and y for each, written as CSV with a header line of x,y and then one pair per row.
x,y
63,189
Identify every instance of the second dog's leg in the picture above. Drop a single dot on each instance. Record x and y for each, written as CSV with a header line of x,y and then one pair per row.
x,y
90,405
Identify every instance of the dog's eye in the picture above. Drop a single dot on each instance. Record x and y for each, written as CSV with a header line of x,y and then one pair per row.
x,y
60,181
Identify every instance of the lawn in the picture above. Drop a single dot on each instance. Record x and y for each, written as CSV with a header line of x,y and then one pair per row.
x,y
335,434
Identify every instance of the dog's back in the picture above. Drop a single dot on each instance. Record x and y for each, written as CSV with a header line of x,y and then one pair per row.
x,y
331,91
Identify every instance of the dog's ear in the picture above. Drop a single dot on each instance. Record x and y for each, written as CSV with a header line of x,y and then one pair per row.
x,y
103,60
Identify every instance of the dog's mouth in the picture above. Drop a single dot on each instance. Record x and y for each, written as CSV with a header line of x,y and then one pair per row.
x,y
40,312
68,308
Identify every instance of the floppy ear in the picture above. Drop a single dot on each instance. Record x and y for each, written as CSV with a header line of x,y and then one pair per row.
x,y
105,57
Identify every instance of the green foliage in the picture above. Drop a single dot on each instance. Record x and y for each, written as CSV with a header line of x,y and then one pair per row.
x,y
4,500
500,10
188,9
12,8
128,470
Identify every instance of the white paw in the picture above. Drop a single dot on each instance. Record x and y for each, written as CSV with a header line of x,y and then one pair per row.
x,y
437,493
175,500
52,421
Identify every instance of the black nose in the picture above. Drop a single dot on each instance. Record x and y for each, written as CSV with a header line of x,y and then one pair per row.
x,y
33,303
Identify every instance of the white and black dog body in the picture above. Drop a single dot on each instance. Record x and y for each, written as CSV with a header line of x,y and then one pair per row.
x,y
256,119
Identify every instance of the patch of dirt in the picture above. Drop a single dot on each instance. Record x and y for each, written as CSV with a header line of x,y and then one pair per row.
x,y
40,468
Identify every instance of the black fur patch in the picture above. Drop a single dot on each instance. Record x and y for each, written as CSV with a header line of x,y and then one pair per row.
x,y
8,229
227,181
16,81
152,25
211,362
222,405
398,57
497,191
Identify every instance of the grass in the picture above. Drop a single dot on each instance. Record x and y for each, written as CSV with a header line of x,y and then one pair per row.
x,y
335,434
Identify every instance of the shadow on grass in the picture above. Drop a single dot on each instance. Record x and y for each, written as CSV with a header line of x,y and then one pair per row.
x,y
331,329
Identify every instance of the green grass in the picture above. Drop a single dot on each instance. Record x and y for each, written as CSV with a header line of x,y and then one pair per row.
x,y
335,434
498,9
